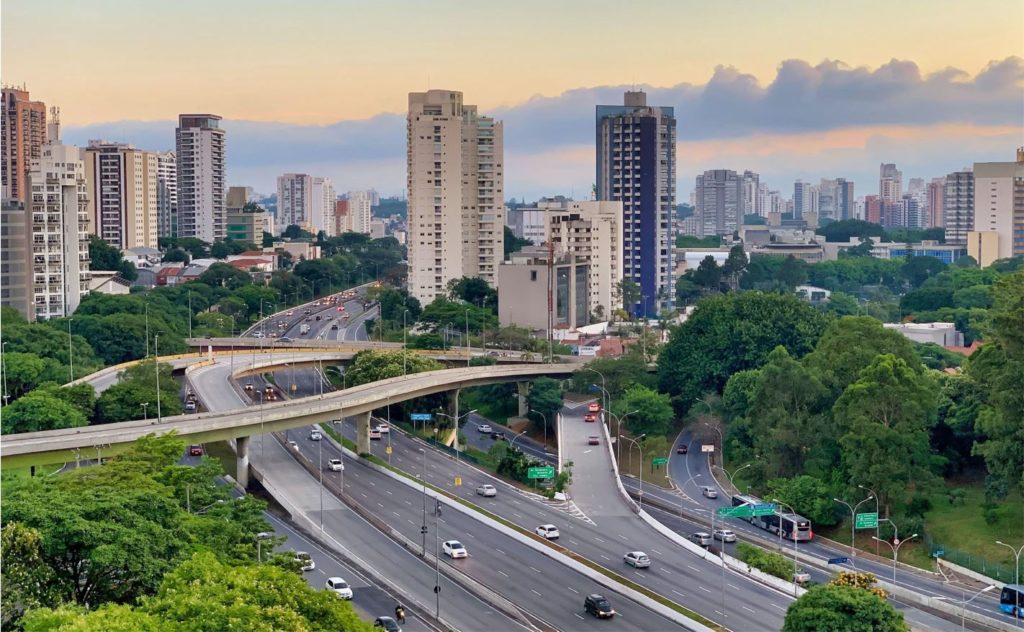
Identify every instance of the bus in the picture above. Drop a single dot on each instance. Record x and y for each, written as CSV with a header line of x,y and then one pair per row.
x,y
1012,597
793,526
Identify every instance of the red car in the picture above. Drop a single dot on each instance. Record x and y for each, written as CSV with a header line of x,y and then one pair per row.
x,y
195,450
589,418
593,440
594,408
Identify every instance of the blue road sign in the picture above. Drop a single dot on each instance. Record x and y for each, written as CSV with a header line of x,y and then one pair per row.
x,y
839,560
421,416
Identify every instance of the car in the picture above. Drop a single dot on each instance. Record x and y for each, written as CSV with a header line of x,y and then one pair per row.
x,y
273,334
598,606
305,561
682,448
293,445
454,549
248,386
384,428
547,531
387,624
374,434
593,440
195,450
590,418
341,308
637,559
315,435
334,326
725,535
289,313
701,538
190,405
498,436
594,407
308,311
335,465
487,490
284,339
485,428
340,587
801,576
259,334
709,492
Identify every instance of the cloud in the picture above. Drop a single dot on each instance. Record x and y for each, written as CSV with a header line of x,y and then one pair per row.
x,y
549,139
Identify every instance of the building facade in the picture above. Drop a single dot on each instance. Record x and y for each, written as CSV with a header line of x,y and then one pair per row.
x,y
123,194
958,206
360,205
719,198
23,135
456,184
244,224
933,202
167,194
525,280
16,258
592,231
999,203
636,165
890,183
200,146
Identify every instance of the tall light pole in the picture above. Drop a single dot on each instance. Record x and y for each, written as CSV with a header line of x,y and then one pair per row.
x,y
455,421
853,521
469,354
145,416
1016,570
423,527
147,329
895,547
877,532
156,369
320,467
405,344
618,430
636,442
793,535
71,355
545,418
964,601
512,443
607,401
190,313
3,369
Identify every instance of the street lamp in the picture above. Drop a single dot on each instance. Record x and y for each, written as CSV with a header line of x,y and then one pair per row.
x,y
455,421
877,532
71,353
734,473
607,401
792,534
405,347
636,442
423,475
618,430
964,601
853,521
512,443
260,537
895,547
145,417
3,368
156,369
545,418
1016,580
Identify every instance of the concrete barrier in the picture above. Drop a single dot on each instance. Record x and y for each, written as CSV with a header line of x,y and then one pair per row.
x,y
966,572
615,468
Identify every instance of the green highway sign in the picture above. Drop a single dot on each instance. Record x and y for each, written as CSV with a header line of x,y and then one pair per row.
x,y
746,511
659,460
866,521
541,472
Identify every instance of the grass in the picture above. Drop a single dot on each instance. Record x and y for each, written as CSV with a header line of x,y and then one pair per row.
x,y
26,472
963,526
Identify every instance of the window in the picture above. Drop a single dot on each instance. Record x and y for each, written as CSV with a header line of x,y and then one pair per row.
x,y
533,275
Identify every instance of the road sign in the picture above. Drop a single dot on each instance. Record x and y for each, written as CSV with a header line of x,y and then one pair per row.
x,y
839,560
867,520
541,472
746,511
421,416
707,447
659,460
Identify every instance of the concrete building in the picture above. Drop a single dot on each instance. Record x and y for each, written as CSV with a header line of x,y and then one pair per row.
x,y
524,282
636,165
23,136
946,253
378,229
167,194
323,199
529,222
958,206
846,205
983,246
719,202
804,199
592,231
200,150
294,191
828,199
933,203
342,219
360,205
242,224
942,334
59,222
890,183
751,201
122,182
999,203
456,184
16,258
873,209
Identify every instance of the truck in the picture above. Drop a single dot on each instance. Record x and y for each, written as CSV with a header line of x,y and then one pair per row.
x,y
304,329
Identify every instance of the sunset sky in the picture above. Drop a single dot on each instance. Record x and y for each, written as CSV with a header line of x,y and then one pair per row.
x,y
792,89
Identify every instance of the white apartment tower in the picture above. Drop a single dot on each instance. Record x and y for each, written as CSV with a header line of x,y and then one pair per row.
x,y
359,206
200,148
167,194
999,204
455,179
322,200
719,202
307,202
123,203
592,231
890,183
59,226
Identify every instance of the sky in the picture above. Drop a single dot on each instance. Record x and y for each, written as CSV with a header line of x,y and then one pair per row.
x,y
790,89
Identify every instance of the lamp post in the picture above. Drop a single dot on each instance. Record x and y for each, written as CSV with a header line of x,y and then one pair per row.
x,y
405,348
607,401
156,369
792,535
262,434
469,348
512,443
190,313
853,521
260,537
636,442
3,368
964,601
423,527
895,547
320,467
545,418
877,532
71,355
618,430
455,422
145,416
734,473
1016,570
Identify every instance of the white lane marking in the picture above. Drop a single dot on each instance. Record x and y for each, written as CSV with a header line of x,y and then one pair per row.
x,y
678,593
577,614
503,573
704,589
655,552
500,551
623,537
536,570
733,586
573,589
749,610
599,539
606,557
389,492
775,605
397,515
693,568
380,505
573,542
535,592
666,571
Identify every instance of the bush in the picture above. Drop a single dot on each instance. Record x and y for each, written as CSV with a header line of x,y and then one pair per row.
x,y
771,563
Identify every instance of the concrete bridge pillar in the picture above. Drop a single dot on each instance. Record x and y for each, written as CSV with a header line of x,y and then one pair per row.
x,y
242,461
363,433
453,403
522,390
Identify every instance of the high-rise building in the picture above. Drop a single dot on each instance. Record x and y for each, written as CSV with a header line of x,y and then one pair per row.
x,y
933,196
342,219
200,148
122,185
804,199
23,136
59,223
244,223
530,222
845,201
719,202
999,203
294,191
751,184
915,186
636,165
592,231
873,209
958,206
910,213
360,204
167,194
828,198
323,199
890,183
16,258
456,187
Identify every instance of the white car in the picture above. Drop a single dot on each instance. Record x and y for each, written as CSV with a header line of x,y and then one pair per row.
x,y
487,490
340,587
384,428
637,559
725,535
335,465
259,334
454,549
486,428
315,435
305,560
548,531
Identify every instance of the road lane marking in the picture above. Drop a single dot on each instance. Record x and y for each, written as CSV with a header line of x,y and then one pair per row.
x,y
536,593
535,569
775,605
623,537
704,589
693,568
503,573
599,539
656,552
606,557
577,614
734,587
573,589
500,551
666,571
749,610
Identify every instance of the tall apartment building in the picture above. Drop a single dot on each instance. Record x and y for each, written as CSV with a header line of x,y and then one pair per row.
x,y
23,136
719,198
16,258
845,200
958,206
915,186
890,183
59,222
360,204
592,231
456,184
873,209
200,149
805,199
167,194
636,165
122,185
933,203
999,203
751,184
244,224
530,222
828,198
294,193
342,219
323,199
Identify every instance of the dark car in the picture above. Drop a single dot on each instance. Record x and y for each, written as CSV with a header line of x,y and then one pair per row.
x,y
598,606
195,450
498,436
386,623
682,449
284,339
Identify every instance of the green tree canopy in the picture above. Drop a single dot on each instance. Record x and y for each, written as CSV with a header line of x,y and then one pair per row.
x,y
371,366
513,243
103,256
545,397
653,415
40,411
849,345
845,608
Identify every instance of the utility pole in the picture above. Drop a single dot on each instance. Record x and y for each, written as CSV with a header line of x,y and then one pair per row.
x,y
71,359
156,369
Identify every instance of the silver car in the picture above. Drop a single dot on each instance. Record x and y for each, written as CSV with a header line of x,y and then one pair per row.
x,y
709,492
487,490
637,559
725,535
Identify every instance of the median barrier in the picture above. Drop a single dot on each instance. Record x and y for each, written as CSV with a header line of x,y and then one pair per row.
x,y
615,468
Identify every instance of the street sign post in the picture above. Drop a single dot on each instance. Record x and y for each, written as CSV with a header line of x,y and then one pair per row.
x,y
541,472
866,520
659,460
746,511
421,416
707,447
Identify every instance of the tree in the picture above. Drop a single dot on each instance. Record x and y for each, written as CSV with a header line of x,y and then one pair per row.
x,y
22,372
842,231
371,366
473,290
849,345
293,231
793,272
176,255
226,276
842,304
545,397
137,385
917,270
25,578
513,243
40,411
220,250
735,265
628,292
729,333
708,275
808,496
847,608
926,299
103,256
619,374
653,415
